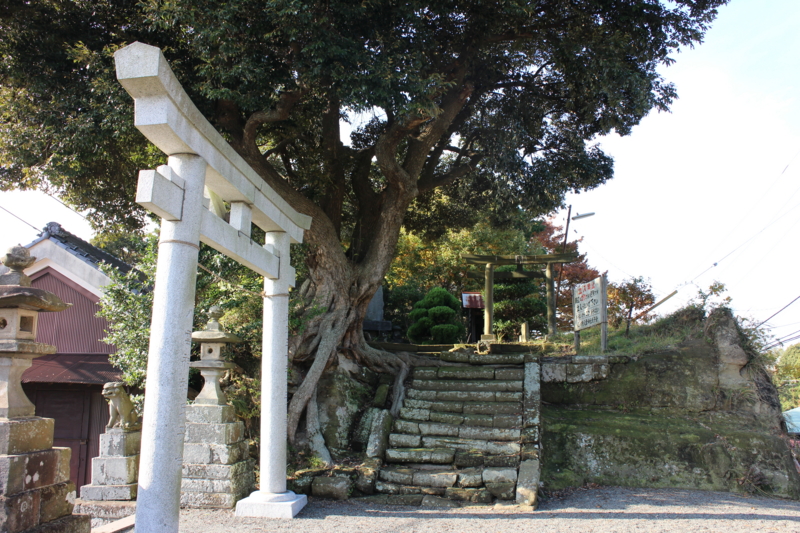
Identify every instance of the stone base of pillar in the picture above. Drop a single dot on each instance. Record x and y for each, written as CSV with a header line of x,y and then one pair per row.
x,y
217,468
36,494
116,469
268,505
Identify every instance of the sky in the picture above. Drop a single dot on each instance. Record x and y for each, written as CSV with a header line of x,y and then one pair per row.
x,y
716,180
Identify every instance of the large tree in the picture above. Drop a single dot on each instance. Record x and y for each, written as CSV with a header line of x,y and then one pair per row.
x,y
490,104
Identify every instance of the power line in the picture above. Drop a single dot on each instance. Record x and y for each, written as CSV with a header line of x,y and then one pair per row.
x,y
781,309
18,218
65,205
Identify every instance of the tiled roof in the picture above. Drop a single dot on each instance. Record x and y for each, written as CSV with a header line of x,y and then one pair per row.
x,y
79,248
71,368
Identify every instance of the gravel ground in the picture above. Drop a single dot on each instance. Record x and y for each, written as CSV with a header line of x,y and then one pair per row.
x,y
606,509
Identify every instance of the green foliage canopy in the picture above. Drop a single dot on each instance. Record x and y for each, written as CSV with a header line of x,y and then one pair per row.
x,y
491,102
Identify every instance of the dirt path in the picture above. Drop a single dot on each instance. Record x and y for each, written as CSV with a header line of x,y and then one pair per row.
x,y
608,509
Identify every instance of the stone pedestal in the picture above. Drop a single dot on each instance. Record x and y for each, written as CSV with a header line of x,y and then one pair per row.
x,y
217,468
36,494
116,470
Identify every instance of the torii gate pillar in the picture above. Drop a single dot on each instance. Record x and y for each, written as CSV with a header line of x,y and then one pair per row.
x,y
199,159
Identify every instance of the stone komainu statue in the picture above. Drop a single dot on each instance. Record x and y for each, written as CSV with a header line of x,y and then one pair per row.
x,y
120,407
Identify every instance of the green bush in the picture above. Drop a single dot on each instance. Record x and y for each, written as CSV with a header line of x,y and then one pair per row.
x,y
441,314
446,333
437,318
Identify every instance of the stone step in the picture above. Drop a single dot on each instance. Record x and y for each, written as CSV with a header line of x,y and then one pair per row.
x,y
468,372
466,444
497,421
464,396
488,359
467,385
406,440
421,414
431,455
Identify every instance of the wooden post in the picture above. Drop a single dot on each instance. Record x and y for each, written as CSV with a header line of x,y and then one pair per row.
x,y
488,301
604,307
552,329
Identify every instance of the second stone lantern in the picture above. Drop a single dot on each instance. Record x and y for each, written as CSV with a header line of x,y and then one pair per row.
x,y
217,468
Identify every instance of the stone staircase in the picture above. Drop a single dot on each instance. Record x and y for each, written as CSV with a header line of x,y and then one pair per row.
x,y
467,433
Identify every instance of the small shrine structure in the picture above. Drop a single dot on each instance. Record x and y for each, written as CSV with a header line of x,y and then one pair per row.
x,y
201,163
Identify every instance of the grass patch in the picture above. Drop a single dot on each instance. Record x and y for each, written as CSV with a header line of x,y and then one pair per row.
x,y
662,334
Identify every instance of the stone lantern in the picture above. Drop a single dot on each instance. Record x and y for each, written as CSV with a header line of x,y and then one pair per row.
x,y
20,305
36,493
211,364
217,468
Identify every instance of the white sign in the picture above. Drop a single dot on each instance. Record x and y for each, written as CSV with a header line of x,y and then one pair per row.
x,y
589,304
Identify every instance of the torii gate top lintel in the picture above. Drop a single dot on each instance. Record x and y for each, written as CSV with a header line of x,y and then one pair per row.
x,y
519,259
165,114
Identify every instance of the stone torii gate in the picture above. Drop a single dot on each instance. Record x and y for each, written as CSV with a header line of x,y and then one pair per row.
x,y
200,158
491,261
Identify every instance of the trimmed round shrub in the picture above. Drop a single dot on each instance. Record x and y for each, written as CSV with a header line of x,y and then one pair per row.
x,y
420,330
416,314
441,314
446,333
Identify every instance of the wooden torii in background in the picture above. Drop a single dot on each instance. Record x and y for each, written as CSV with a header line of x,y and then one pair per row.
x,y
489,276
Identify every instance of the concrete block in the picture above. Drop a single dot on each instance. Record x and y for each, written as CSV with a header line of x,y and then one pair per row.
x,y
56,501
34,470
446,418
118,443
502,491
415,394
126,492
531,397
479,420
400,440
216,471
554,373
465,396
115,470
471,477
515,374
104,511
404,426
530,435
420,415
505,421
25,435
66,524
19,512
579,373
528,483
367,475
438,429
429,478
195,453
210,414
492,408
466,372
209,500
397,474
336,488
214,433
468,432
379,434
501,461
425,372
505,396
500,475
417,404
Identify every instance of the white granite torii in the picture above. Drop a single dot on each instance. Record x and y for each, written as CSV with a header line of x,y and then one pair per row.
x,y
199,157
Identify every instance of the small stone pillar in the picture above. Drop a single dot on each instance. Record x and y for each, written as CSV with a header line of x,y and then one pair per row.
x,y
36,493
217,468
115,471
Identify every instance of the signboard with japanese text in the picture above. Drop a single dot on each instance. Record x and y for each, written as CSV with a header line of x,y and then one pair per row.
x,y
589,303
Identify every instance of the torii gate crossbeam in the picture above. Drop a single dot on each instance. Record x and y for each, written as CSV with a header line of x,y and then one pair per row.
x,y
200,158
